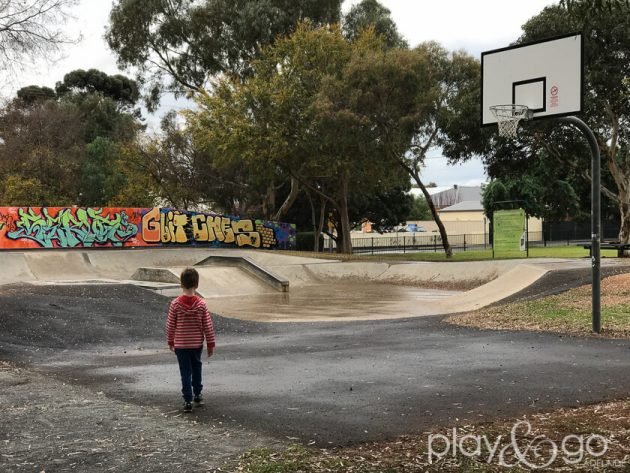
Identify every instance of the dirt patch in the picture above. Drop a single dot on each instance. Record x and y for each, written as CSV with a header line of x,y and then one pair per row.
x,y
567,312
615,290
50,425
603,426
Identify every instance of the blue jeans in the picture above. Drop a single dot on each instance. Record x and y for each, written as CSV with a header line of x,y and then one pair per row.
x,y
190,365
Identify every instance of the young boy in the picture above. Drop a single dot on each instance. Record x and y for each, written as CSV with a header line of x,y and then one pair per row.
x,y
188,323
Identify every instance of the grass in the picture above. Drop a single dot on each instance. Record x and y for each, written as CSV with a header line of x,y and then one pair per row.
x,y
460,255
567,313
482,255
410,453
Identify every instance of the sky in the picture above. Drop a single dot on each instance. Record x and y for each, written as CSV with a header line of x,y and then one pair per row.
x,y
473,26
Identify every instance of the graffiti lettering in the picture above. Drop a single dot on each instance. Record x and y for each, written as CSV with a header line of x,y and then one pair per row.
x,y
71,228
173,226
51,227
151,226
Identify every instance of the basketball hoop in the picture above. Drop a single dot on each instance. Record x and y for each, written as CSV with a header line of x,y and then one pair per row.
x,y
508,118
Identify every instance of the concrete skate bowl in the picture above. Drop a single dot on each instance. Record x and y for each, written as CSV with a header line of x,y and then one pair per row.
x,y
324,290
271,286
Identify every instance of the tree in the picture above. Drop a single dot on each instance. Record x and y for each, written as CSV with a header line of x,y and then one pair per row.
x,y
606,35
34,93
31,29
70,142
582,9
371,14
302,114
17,191
119,88
384,209
43,147
179,45
445,114
543,199
171,163
419,209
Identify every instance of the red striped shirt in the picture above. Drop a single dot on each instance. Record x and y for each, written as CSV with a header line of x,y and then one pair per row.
x,y
188,322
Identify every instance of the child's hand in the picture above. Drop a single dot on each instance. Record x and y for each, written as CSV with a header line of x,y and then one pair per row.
x,y
171,347
210,352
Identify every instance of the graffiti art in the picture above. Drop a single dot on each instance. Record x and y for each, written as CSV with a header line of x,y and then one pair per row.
x,y
78,227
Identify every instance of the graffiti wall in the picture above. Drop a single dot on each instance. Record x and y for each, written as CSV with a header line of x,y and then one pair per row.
x,y
65,227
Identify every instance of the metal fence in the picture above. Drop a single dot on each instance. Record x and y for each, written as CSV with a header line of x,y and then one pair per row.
x,y
432,242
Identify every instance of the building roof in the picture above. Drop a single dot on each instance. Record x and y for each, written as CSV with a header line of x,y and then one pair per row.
x,y
443,197
465,206
415,191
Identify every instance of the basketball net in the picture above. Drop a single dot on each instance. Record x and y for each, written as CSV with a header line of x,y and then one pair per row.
x,y
508,118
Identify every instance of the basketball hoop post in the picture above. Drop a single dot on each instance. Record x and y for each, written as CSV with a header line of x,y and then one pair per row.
x,y
595,218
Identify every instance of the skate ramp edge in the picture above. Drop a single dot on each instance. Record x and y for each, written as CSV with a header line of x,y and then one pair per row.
x,y
15,269
60,266
164,275
509,283
249,266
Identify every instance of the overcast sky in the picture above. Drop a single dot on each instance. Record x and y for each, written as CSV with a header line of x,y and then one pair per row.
x,y
474,26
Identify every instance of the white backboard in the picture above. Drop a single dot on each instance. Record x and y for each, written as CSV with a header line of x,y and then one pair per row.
x,y
544,75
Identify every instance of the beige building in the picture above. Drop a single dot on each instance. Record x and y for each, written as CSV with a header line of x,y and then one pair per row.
x,y
468,218
461,212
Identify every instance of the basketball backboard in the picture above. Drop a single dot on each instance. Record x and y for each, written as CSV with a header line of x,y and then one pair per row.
x,y
545,76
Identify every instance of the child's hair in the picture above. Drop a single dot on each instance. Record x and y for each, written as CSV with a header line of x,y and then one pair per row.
x,y
189,278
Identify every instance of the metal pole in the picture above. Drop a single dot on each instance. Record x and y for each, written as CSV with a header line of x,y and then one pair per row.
x,y
527,234
595,218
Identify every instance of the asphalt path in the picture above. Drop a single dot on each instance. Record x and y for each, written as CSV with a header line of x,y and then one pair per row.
x,y
315,383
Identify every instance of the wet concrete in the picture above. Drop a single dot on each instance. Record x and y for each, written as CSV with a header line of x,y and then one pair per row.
x,y
343,300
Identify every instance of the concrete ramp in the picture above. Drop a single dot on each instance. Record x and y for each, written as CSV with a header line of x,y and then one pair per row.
x,y
460,274
513,281
122,264
251,267
60,266
222,281
14,268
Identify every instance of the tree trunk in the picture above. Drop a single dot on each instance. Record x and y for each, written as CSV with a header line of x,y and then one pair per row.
x,y
344,241
269,201
317,226
624,230
447,246
289,201
322,219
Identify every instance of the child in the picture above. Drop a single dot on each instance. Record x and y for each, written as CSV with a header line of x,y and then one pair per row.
x,y
188,323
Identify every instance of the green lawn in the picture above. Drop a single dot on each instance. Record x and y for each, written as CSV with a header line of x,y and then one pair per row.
x,y
479,255
567,313
458,255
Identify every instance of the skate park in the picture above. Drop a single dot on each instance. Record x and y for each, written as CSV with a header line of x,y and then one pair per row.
x,y
410,224
318,352
274,287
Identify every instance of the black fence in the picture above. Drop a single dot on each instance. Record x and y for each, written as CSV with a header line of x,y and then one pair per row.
x,y
578,231
432,242
412,243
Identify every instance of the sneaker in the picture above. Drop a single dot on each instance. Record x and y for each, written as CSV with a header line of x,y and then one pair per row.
x,y
198,399
187,407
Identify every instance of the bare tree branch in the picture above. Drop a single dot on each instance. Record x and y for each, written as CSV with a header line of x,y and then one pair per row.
x,y
31,30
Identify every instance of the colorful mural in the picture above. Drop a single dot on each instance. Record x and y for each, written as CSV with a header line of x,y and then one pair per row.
x,y
71,227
